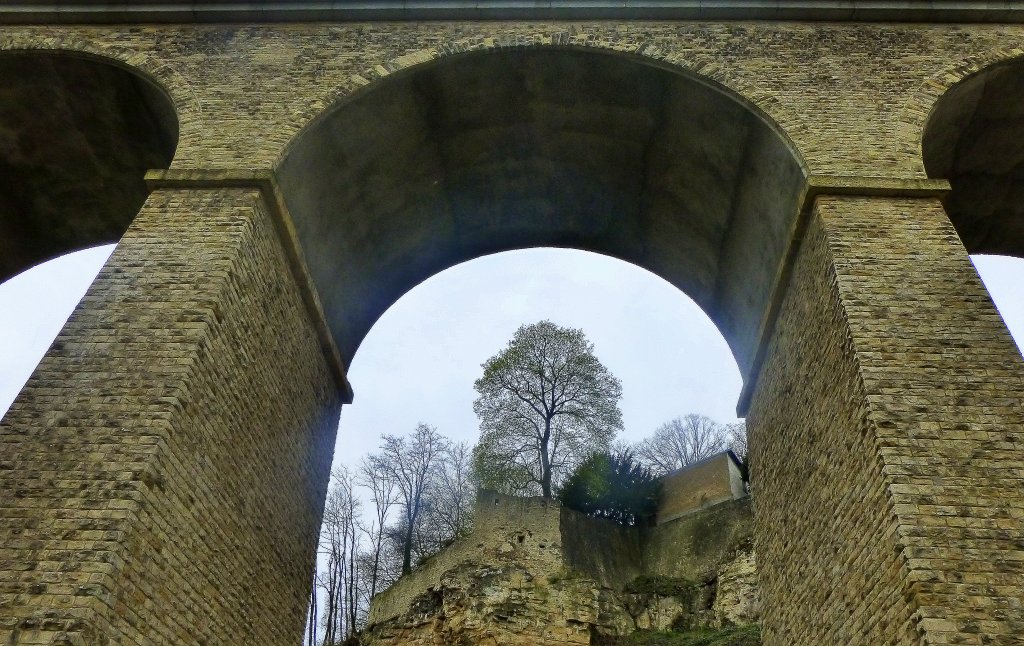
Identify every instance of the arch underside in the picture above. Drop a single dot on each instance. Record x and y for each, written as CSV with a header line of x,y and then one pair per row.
x,y
975,138
76,138
491,151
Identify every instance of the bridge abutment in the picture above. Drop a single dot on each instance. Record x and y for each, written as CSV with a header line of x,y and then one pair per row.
x,y
164,469
885,430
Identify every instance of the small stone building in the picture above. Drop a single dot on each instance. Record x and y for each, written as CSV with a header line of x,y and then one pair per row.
x,y
691,488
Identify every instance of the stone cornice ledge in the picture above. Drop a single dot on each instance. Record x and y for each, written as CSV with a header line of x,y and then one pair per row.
x,y
184,11
266,183
819,185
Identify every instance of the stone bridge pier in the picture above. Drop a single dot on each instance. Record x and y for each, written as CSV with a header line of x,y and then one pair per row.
x,y
813,178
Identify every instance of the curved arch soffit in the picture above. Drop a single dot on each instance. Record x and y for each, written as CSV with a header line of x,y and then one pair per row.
x,y
703,69
920,105
515,133
163,77
84,129
974,137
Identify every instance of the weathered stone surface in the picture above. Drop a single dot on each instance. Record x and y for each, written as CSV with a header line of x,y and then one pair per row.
x,y
709,482
973,139
693,545
516,580
909,422
737,600
886,424
162,474
76,137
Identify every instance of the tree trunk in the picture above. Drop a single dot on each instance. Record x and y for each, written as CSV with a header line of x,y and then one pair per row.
x,y
311,626
376,559
545,461
353,596
407,548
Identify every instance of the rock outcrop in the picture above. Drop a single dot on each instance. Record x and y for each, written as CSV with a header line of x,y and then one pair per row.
x,y
534,573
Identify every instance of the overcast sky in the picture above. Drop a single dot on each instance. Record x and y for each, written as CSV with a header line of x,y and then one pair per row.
x,y
420,360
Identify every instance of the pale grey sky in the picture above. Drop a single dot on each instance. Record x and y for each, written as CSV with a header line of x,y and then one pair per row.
x,y
420,360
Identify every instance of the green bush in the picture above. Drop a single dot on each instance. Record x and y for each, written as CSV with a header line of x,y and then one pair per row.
x,y
613,487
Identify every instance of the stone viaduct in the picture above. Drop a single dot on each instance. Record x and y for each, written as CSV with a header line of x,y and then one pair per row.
x,y
813,173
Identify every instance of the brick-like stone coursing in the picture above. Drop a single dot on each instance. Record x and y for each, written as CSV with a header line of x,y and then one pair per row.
x,y
853,97
887,462
163,472
820,504
945,387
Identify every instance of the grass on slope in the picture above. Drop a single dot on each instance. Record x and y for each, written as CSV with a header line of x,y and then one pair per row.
x,y
749,635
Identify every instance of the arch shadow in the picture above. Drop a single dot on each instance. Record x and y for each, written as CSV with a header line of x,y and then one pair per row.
x,y
974,137
77,134
493,150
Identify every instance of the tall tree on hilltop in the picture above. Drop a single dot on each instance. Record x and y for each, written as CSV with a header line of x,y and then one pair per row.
x,y
545,404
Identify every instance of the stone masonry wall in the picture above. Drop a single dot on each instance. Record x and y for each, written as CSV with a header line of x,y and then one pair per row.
x,y
944,381
821,504
693,545
886,467
162,473
134,468
608,553
709,482
854,97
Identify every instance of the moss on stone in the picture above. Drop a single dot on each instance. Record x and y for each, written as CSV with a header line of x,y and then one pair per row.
x,y
748,635
662,586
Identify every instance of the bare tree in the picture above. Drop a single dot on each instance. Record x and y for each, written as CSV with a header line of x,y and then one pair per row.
x,y
545,403
681,442
340,542
410,463
427,480
380,484
452,494
388,563
736,438
311,614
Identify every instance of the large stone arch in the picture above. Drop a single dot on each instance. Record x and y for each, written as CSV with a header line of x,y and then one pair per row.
x,y
143,63
442,160
913,117
166,465
813,281
79,132
701,64
974,137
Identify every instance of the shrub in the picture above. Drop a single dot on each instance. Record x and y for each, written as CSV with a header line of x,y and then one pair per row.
x,y
612,486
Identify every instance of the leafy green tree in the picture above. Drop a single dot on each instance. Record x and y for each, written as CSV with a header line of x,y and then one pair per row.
x,y
613,486
545,403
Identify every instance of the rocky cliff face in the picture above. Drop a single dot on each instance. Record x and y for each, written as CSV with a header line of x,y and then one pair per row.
x,y
520,579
